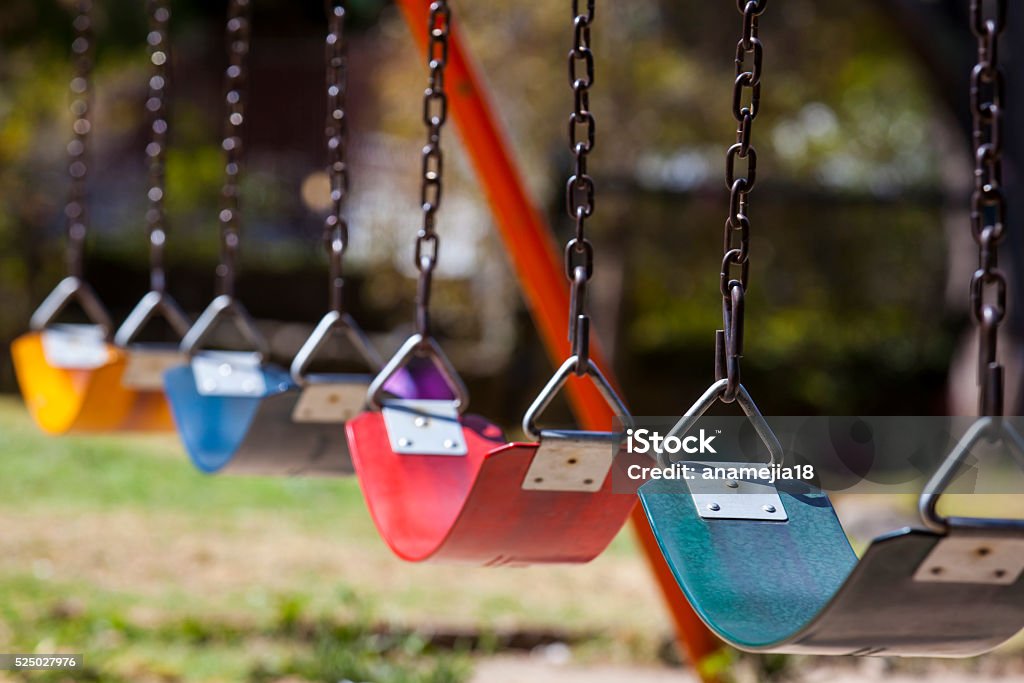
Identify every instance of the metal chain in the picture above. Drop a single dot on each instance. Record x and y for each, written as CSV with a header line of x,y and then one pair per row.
x,y
235,82
156,150
988,202
75,211
336,129
435,113
735,272
579,189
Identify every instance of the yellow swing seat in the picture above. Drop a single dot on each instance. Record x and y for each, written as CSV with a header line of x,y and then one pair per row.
x,y
70,375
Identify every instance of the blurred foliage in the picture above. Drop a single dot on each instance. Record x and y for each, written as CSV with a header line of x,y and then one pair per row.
x,y
848,266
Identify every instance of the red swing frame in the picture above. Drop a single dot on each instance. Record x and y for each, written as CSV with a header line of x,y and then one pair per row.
x,y
526,235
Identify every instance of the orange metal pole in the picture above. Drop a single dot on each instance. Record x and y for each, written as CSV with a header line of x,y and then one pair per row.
x,y
537,262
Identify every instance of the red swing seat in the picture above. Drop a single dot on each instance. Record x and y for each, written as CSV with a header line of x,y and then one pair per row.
x,y
484,507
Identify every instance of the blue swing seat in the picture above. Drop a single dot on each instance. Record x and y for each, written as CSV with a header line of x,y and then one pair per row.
x,y
770,580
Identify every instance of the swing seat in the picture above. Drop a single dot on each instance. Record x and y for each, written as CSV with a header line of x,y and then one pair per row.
x,y
794,584
448,487
70,378
473,508
73,379
280,429
67,395
219,400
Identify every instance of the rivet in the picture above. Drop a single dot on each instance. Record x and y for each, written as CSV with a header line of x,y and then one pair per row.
x,y
448,443
404,442
1000,573
936,570
224,369
982,551
420,421
768,508
588,482
732,484
714,507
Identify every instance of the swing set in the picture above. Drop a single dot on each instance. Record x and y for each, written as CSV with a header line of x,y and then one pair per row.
x,y
445,485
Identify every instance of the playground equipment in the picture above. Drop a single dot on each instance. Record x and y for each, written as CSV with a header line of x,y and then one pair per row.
x,y
768,567
236,412
861,606
217,396
72,377
442,485
146,362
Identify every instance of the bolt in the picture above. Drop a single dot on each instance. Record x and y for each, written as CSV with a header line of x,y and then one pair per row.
x,y
448,443
224,369
714,507
768,508
404,442
732,484
420,422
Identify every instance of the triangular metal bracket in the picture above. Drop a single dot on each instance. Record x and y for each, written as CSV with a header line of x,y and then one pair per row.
x,y
67,290
221,308
750,409
985,428
418,346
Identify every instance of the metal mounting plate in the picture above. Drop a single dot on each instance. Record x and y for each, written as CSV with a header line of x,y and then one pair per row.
x,y
331,399
973,559
228,373
146,364
423,427
75,347
741,498
571,461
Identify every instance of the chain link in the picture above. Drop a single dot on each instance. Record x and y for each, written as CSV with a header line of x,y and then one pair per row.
x,y
988,201
735,272
75,211
336,130
579,188
435,114
156,150
235,83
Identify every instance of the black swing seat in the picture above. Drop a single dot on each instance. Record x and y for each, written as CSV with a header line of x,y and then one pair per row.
x,y
797,587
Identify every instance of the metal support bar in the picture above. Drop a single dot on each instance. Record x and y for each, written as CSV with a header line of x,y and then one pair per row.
x,y
537,263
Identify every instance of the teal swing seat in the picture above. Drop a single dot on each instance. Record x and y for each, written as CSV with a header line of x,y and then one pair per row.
x,y
794,584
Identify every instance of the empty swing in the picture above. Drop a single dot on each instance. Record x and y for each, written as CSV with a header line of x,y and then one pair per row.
x,y
768,567
146,362
216,396
69,373
443,485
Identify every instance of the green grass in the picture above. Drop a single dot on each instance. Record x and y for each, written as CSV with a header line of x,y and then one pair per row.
x,y
78,618
118,548
136,472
